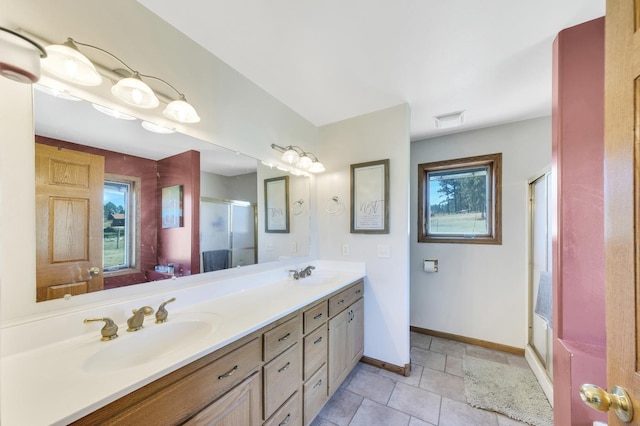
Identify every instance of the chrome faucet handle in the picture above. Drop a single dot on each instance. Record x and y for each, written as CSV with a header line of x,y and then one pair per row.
x,y
296,274
161,313
110,329
135,322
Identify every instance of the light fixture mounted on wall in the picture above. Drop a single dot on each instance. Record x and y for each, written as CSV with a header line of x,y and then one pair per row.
x,y
20,59
67,62
296,156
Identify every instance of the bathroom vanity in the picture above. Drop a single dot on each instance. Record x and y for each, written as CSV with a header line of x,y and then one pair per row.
x,y
268,355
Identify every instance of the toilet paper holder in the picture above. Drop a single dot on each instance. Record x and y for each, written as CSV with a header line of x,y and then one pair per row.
x,y
430,265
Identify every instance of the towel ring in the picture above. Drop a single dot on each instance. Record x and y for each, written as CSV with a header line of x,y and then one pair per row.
x,y
334,206
297,207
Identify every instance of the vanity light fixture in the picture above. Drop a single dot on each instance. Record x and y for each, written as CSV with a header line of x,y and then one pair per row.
x,y
113,113
67,62
296,156
51,91
156,128
21,57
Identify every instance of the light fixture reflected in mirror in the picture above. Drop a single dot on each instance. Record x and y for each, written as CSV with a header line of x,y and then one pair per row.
x,y
113,113
62,94
296,156
156,128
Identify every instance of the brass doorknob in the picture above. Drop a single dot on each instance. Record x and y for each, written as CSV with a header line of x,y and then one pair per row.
x,y
599,399
94,271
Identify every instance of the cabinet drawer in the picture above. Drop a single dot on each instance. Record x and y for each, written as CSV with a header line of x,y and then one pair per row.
x,y
315,351
290,414
315,394
314,317
345,298
281,337
282,377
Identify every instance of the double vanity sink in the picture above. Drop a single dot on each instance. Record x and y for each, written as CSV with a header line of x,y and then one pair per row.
x,y
69,379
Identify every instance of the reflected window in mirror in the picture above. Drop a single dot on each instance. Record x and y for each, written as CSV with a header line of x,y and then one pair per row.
x,y
120,236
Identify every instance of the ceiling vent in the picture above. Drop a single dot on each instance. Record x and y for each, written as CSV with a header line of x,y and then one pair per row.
x,y
452,119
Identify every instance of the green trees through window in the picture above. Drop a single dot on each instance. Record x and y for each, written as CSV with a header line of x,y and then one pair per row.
x,y
459,200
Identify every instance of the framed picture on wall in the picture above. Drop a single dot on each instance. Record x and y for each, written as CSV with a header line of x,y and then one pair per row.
x,y
370,197
172,216
276,197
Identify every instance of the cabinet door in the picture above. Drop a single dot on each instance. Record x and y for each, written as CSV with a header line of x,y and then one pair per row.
x,y
356,332
238,407
338,351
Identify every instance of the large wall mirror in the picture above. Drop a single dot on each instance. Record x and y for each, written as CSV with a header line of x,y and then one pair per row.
x,y
166,206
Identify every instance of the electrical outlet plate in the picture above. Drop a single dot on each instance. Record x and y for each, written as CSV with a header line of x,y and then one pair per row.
x,y
345,249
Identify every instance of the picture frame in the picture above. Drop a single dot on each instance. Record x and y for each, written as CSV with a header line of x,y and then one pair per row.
x,y
172,208
276,196
370,197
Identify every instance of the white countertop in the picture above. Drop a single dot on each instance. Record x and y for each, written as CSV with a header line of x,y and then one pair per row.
x,y
56,384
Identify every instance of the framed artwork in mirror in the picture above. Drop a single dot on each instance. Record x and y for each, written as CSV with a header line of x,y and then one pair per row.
x,y
370,197
172,216
276,197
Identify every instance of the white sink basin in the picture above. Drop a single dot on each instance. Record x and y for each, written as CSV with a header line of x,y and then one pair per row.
x,y
151,342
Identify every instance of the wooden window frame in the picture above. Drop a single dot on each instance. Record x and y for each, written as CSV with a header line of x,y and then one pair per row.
x,y
494,204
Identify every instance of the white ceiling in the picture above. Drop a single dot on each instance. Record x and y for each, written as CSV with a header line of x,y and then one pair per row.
x,y
330,60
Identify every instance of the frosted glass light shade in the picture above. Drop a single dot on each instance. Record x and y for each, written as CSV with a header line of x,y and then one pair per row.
x,y
66,62
134,91
113,113
156,128
181,111
317,167
305,162
290,156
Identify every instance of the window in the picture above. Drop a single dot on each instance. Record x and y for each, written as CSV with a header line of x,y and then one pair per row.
x,y
459,201
119,242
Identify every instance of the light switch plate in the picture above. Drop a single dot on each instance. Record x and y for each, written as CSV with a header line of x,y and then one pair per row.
x,y
345,249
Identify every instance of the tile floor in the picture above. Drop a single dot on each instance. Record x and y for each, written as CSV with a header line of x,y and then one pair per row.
x,y
432,395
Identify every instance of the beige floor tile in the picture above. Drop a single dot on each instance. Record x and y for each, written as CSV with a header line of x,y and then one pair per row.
x,y
443,384
454,413
433,360
506,421
487,354
340,409
517,361
371,413
417,402
454,366
413,379
421,341
447,347
372,386
417,422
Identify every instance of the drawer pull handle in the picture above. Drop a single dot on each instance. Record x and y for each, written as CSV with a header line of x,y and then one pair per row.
x,y
341,302
317,317
317,384
285,337
229,373
286,420
358,291
286,366
318,340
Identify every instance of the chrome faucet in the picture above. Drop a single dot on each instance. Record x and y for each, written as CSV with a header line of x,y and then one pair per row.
x,y
110,329
161,313
306,272
295,275
135,322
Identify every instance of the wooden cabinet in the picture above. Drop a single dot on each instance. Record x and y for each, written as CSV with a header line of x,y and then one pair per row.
x,y
238,407
346,335
281,374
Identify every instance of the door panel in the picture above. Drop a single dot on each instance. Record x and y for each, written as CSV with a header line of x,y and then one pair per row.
x,y
69,186
622,200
